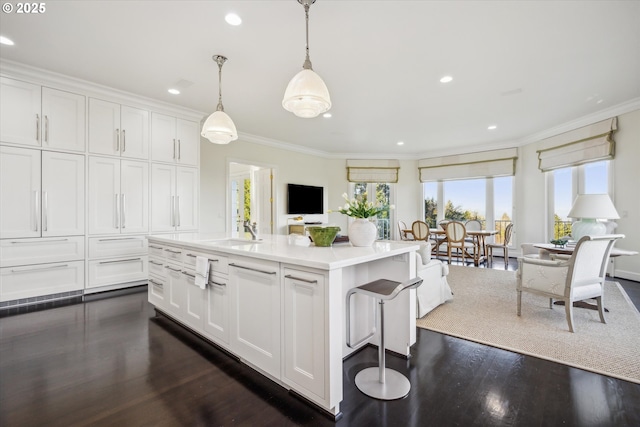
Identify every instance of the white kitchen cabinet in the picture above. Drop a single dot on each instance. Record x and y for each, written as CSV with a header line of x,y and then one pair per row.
x,y
174,140
118,130
194,312
41,193
175,291
41,250
254,327
64,120
42,279
21,106
216,322
174,198
304,330
41,116
156,290
115,271
118,196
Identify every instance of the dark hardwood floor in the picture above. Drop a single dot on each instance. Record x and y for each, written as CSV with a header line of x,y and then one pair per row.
x,y
110,361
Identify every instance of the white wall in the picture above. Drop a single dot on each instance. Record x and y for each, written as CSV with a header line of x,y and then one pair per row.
x,y
530,203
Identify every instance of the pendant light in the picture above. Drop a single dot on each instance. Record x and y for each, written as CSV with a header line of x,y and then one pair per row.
x,y
306,95
219,128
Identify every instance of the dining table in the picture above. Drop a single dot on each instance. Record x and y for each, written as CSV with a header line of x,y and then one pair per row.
x,y
568,250
479,237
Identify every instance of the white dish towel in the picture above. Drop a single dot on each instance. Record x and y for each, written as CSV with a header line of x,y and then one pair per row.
x,y
202,271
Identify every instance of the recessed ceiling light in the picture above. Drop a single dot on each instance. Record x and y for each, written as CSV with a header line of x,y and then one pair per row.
x,y
326,115
233,19
446,79
400,143
174,91
6,41
492,127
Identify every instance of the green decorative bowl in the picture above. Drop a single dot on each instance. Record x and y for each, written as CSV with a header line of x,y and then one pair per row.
x,y
323,236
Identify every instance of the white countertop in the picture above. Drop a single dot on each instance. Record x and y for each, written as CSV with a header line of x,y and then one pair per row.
x,y
288,249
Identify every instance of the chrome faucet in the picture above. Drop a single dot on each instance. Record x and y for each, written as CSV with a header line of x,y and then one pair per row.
x,y
251,228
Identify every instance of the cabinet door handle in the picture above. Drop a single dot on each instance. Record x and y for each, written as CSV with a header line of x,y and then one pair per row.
x,y
117,239
191,255
188,274
123,209
124,141
178,211
117,139
156,283
120,260
172,251
152,246
46,129
288,276
211,282
116,211
179,146
154,262
174,148
38,127
252,269
35,211
48,267
45,211
173,211
38,242
173,269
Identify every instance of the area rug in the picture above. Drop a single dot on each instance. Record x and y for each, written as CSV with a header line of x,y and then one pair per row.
x,y
483,310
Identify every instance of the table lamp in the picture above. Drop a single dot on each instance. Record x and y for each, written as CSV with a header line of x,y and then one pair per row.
x,y
589,208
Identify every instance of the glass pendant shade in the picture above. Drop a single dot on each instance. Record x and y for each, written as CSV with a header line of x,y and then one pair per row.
x,y
306,96
219,128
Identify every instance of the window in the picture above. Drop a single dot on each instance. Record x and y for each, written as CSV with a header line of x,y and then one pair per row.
x,y
566,183
489,200
382,192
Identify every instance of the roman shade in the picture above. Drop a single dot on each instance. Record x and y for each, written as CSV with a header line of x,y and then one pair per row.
x,y
379,170
587,144
484,164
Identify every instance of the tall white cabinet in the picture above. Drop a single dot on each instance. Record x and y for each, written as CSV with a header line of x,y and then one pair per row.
x,y
81,169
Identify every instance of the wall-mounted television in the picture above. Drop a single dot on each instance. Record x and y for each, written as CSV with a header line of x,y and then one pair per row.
x,y
305,199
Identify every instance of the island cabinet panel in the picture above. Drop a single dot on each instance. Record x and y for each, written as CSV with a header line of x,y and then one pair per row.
x,y
216,323
156,290
304,331
175,290
254,294
195,297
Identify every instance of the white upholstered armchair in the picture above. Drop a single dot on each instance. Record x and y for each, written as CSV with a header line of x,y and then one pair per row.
x,y
435,289
578,277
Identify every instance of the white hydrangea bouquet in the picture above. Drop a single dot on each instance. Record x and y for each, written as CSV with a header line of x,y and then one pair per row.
x,y
360,207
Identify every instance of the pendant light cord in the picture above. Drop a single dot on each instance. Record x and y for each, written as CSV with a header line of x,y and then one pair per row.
x,y
307,61
220,60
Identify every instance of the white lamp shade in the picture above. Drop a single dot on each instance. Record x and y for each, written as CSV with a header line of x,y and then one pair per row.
x,y
219,128
594,206
306,95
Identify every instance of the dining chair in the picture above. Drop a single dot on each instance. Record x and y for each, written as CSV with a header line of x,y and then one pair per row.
x,y
473,225
420,230
403,231
456,239
504,246
579,277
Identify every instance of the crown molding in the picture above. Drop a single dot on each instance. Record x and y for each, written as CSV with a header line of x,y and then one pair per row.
x,y
59,81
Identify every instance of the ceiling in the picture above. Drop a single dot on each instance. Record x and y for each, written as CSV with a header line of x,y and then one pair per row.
x,y
524,66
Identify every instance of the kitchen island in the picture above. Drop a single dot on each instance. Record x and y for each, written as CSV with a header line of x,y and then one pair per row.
x,y
278,303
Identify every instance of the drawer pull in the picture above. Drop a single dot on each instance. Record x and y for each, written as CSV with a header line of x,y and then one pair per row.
x,y
154,262
191,255
40,268
211,282
120,260
155,247
288,276
123,238
38,242
172,251
188,274
252,269
173,269
156,283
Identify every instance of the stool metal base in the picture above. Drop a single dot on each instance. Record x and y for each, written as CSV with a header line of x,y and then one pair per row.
x,y
396,385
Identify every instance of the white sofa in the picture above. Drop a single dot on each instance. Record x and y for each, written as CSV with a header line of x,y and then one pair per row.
x,y
435,289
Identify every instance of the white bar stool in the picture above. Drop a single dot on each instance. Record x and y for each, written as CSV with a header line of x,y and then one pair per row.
x,y
380,382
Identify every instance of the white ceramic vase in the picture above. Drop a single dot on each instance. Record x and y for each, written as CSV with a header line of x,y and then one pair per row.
x,y
362,232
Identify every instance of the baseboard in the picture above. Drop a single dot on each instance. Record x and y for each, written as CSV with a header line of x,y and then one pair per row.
x,y
629,275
